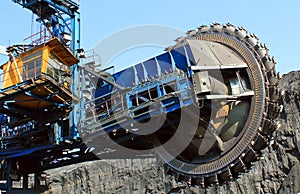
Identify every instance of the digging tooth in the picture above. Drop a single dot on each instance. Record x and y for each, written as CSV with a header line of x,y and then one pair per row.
x,y
191,33
216,27
179,40
203,29
252,39
241,32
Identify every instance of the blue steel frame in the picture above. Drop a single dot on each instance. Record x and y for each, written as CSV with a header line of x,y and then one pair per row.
x,y
170,69
63,17
181,95
136,76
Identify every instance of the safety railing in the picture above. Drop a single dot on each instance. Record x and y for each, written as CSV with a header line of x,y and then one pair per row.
x,y
10,135
15,131
38,38
11,77
136,102
92,58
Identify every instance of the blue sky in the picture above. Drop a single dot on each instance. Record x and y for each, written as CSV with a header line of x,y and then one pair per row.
x,y
275,22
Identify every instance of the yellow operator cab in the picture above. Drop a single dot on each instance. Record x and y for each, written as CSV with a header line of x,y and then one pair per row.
x,y
36,83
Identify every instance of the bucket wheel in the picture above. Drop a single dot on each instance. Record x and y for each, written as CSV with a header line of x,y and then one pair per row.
x,y
235,122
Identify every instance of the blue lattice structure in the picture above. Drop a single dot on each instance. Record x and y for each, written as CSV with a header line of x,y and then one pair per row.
x,y
60,16
38,94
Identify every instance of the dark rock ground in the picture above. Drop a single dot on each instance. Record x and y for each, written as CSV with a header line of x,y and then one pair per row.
x,y
278,171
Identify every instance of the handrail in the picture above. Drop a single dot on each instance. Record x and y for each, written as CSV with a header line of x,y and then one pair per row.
x,y
34,73
92,57
102,119
109,107
44,34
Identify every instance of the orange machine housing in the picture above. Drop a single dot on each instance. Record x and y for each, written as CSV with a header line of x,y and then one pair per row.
x,y
38,80
46,59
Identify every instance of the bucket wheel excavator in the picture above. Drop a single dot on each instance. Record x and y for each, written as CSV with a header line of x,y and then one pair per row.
x,y
214,95
206,107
